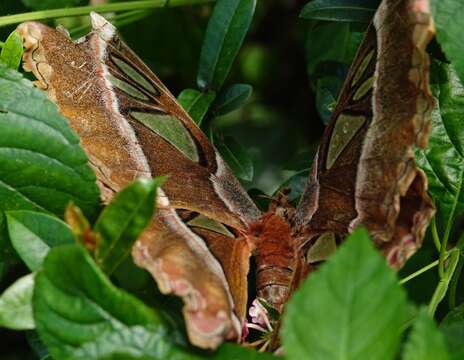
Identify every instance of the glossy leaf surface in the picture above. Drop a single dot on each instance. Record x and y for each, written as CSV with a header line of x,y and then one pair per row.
x,y
196,103
448,15
12,51
16,304
123,220
80,315
443,159
225,33
340,10
33,234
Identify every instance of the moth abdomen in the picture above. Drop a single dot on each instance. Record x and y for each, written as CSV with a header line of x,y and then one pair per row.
x,y
275,258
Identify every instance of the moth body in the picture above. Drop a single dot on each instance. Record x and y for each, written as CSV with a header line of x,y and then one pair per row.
x,y
275,253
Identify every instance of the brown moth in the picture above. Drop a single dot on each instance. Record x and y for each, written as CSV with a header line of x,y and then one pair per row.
x,y
199,244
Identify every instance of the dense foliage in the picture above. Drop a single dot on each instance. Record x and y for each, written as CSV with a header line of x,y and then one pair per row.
x,y
261,80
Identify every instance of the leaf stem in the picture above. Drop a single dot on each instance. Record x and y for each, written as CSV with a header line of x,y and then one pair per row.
x,y
443,285
449,226
454,284
419,272
101,8
425,268
435,236
457,274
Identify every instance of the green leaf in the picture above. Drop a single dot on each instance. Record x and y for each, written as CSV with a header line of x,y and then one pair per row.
x,y
340,10
12,51
328,45
196,103
43,166
16,304
443,159
232,98
452,327
447,15
425,342
123,220
236,157
51,4
224,36
32,234
351,308
79,314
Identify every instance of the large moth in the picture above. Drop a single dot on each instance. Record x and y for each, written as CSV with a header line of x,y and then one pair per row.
x,y
199,244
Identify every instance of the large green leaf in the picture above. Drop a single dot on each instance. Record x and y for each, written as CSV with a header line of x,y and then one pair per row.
x,y
452,327
196,103
425,341
16,304
42,164
32,234
448,15
340,10
12,51
226,30
351,308
79,314
443,160
122,221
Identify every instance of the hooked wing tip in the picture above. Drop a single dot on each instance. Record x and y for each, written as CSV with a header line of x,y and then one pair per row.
x,y
103,27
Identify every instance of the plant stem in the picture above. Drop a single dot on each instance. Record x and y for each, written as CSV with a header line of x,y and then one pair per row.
x,y
131,17
454,284
419,272
435,236
102,8
449,226
457,274
425,268
443,284
117,20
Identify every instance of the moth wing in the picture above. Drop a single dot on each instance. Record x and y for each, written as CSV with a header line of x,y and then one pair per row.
x,y
364,172
130,126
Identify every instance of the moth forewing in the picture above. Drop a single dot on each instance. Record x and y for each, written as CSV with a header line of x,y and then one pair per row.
x,y
365,173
